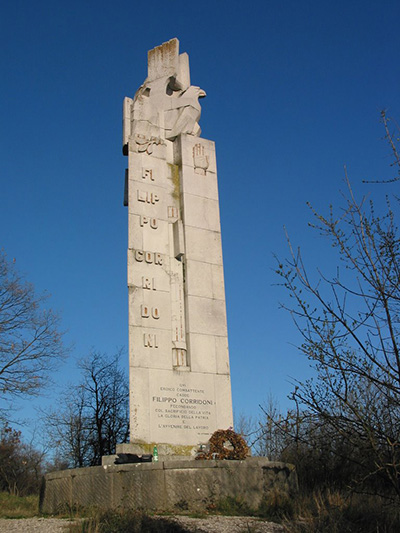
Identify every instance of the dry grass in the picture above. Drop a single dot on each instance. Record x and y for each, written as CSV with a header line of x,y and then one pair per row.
x,y
322,511
337,512
125,522
18,507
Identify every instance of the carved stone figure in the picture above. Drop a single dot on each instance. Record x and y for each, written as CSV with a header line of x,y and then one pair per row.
x,y
166,105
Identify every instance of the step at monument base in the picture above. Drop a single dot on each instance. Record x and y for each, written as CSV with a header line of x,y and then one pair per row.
x,y
165,451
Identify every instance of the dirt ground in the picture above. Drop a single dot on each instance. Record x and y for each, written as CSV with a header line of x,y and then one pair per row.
x,y
211,524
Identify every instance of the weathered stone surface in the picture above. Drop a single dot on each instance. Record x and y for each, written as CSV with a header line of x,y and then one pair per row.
x,y
180,390
179,362
166,486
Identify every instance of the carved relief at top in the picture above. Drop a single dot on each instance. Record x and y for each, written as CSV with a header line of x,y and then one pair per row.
x,y
166,105
145,144
200,160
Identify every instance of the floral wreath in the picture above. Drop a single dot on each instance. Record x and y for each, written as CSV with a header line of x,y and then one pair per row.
x,y
218,450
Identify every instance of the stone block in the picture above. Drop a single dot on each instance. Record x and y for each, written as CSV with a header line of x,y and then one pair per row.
x,y
150,309
203,186
203,245
166,452
223,402
155,235
147,170
148,233
139,384
148,200
218,286
203,353
135,236
206,316
222,355
163,60
151,276
201,212
185,152
153,348
199,279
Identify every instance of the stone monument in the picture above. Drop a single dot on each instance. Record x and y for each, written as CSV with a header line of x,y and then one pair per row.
x,y
180,390
179,366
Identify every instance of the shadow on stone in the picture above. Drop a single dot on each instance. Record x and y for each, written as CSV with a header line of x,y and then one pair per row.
x,y
168,486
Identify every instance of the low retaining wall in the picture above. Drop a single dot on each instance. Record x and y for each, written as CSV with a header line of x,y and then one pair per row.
x,y
166,486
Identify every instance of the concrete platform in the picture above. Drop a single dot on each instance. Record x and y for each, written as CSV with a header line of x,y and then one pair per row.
x,y
166,486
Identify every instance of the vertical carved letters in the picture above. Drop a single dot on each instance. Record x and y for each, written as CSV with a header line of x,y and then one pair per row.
x,y
154,312
141,196
148,283
147,174
148,257
150,340
139,255
172,212
152,222
147,197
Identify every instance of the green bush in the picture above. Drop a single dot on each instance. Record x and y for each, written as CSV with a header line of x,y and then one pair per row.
x,y
231,507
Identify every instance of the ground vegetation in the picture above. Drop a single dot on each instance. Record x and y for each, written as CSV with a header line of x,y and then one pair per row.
x,y
350,326
21,465
343,429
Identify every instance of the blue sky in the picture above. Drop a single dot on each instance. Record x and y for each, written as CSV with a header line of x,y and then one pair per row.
x,y
294,91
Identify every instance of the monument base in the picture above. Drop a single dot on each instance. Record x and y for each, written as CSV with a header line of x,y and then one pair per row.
x,y
166,485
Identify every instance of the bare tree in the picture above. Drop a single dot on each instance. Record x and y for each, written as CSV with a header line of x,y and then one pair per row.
x,y
30,341
70,429
269,434
20,464
94,416
350,325
271,438
392,136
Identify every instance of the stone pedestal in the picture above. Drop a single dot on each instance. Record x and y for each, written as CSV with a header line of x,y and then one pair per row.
x,y
166,486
